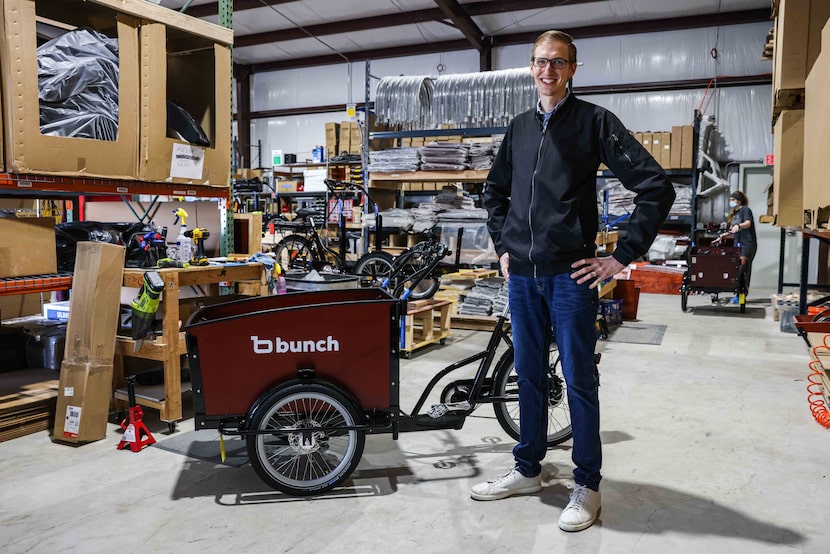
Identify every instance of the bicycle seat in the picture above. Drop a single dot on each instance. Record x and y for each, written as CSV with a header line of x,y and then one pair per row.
x,y
304,213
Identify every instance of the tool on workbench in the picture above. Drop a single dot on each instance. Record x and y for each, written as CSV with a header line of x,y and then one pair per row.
x,y
184,244
136,434
171,262
198,234
144,307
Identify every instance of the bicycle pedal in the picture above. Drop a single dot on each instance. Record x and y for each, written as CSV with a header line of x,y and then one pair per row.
x,y
450,420
440,410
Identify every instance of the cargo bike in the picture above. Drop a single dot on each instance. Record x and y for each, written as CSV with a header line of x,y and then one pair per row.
x,y
303,377
714,269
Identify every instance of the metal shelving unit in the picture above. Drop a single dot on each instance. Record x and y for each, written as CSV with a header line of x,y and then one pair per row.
x,y
36,185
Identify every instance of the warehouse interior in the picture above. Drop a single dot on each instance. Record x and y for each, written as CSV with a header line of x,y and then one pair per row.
x,y
247,171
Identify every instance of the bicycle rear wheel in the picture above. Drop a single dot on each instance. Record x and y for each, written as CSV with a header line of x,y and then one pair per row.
x,y
374,268
559,413
294,252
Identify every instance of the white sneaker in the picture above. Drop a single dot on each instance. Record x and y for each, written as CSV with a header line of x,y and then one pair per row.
x,y
582,510
508,484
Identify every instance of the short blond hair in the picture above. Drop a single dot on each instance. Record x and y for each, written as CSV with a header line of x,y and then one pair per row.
x,y
556,36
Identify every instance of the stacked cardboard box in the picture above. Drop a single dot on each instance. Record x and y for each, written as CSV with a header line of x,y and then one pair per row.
x,y
29,151
667,148
188,60
332,140
162,55
27,246
816,193
797,46
788,171
85,387
349,137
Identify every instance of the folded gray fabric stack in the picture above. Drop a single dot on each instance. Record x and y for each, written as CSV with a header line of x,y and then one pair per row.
x,y
394,218
483,296
444,156
481,155
394,159
425,217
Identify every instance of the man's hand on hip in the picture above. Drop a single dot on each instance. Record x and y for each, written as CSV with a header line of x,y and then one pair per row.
x,y
595,270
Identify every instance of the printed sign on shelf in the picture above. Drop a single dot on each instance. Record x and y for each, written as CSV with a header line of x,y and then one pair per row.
x,y
187,161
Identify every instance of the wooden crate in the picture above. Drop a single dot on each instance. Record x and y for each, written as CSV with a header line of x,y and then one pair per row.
x,y
421,325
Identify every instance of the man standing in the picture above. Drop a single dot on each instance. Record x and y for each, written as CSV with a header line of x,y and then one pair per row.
x,y
541,201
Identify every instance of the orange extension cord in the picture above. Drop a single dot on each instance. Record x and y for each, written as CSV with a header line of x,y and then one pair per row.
x,y
818,406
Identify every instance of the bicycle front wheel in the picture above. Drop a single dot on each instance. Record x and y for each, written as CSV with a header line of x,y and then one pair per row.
x,y
294,252
306,461
374,268
507,386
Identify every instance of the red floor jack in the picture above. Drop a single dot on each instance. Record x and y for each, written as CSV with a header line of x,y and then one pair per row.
x,y
136,433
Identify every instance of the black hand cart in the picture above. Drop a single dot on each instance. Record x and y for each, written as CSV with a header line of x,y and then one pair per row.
x,y
714,269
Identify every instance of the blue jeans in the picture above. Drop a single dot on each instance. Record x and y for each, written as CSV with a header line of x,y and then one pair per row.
x,y
537,307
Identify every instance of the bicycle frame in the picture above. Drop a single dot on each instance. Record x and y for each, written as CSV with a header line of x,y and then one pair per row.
x,y
434,252
478,394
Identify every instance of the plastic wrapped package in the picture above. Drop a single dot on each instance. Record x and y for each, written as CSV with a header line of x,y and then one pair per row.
x,y
78,85
476,246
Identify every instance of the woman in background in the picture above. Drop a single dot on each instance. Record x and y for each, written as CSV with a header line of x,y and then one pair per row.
x,y
742,226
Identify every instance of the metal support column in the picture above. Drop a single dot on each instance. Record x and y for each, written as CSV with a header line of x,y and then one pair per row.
x,y
226,239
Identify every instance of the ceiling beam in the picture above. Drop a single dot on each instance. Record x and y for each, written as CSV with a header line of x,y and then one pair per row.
x,y
387,20
212,8
363,55
477,8
340,27
615,29
462,22
653,26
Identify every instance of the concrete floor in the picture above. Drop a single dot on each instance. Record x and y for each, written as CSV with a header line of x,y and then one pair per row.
x,y
709,446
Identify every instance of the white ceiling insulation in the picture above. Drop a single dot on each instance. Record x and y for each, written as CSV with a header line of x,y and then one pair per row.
x,y
420,24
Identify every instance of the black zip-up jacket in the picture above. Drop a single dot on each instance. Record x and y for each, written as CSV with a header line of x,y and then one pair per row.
x,y
541,191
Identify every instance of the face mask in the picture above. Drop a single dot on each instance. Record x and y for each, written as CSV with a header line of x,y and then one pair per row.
x,y
733,203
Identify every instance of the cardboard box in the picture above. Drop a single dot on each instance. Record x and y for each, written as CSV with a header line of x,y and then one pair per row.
x,y
665,150
687,144
638,137
816,193
26,149
84,394
27,246
676,140
95,302
788,171
797,41
332,140
647,141
285,187
345,137
179,65
656,145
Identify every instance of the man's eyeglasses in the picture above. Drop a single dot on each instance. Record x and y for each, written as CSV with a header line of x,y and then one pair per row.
x,y
556,63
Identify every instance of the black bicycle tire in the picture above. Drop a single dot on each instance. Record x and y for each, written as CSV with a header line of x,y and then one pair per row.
x,y
306,247
262,459
375,256
502,373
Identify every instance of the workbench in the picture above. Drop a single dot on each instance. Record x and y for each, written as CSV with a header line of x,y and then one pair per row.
x,y
169,347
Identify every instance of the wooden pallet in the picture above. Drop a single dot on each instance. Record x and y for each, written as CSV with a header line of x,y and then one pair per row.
x,y
27,402
473,322
421,327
